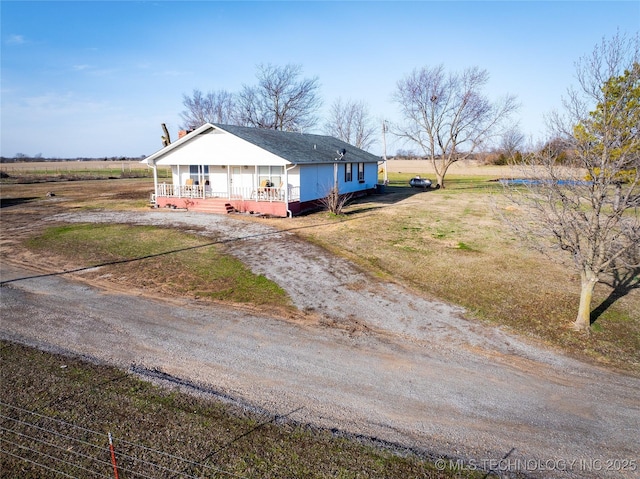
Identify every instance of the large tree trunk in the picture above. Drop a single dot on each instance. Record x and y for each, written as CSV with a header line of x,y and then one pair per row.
x,y
588,282
440,171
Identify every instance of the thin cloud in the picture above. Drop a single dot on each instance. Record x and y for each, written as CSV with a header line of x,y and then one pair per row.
x,y
93,70
16,40
172,73
58,105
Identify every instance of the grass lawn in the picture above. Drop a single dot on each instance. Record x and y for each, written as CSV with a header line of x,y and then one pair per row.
x,y
445,244
163,260
449,245
58,410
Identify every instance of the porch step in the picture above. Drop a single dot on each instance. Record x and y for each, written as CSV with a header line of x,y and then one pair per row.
x,y
216,208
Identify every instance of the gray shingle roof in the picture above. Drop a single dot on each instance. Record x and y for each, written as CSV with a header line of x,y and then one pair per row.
x,y
300,147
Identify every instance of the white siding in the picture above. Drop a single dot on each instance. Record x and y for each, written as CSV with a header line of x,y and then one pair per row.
x,y
293,177
219,181
219,148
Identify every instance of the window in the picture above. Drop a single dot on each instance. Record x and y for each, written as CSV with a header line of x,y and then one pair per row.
x,y
198,173
348,176
361,172
272,174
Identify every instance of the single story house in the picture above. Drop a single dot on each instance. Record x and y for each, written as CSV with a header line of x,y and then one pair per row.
x,y
221,168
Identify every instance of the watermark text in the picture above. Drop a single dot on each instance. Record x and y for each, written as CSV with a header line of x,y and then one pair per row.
x,y
538,465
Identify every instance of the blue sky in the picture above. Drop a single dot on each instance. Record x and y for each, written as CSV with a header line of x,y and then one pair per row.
x,y
96,79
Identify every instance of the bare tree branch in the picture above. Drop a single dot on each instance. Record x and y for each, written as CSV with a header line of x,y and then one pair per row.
x,y
448,116
280,100
351,122
591,207
215,107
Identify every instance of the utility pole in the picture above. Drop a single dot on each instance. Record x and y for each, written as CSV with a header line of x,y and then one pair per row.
x,y
384,150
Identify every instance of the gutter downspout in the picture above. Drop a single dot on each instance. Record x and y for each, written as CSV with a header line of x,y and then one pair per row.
x,y
286,190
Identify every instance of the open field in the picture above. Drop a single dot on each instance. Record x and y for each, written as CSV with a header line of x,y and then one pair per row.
x,y
462,168
28,172
116,168
447,244
444,244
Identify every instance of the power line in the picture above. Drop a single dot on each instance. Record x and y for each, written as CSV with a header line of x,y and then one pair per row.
x,y
128,457
49,418
55,459
55,446
51,431
39,465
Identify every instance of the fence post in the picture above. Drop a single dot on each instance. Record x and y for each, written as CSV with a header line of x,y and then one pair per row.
x,y
113,457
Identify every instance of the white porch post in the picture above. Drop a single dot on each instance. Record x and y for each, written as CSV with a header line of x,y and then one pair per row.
x,y
201,179
286,189
155,179
256,183
179,185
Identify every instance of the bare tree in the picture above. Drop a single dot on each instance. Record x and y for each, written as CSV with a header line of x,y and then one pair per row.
x,y
351,122
280,100
215,107
590,209
512,141
334,201
448,116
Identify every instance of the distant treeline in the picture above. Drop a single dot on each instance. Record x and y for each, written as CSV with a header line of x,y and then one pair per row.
x,y
37,158
481,157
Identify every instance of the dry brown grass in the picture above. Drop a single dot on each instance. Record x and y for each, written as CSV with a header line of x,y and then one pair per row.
x,y
450,245
113,194
446,244
158,430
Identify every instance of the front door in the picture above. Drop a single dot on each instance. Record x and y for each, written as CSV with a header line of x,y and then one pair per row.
x,y
235,181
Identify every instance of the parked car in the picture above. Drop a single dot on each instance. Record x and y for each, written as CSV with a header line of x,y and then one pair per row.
x,y
417,182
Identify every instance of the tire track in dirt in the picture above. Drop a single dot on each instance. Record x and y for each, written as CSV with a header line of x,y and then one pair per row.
x,y
416,373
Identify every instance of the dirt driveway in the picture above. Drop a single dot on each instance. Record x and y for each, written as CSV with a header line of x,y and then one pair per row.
x,y
377,361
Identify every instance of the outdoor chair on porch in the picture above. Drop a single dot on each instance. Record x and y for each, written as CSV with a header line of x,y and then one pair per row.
x,y
188,187
265,190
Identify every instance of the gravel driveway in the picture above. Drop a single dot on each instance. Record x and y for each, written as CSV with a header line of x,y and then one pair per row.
x,y
381,362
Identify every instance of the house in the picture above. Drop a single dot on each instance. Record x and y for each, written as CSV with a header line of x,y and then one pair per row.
x,y
221,168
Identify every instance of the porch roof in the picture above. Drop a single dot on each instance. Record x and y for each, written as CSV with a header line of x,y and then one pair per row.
x,y
238,145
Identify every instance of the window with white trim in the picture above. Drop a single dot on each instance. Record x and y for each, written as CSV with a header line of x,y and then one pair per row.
x,y
198,173
271,174
348,175
360,172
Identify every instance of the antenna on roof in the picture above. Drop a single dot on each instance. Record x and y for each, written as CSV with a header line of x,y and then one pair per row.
x,y
341,154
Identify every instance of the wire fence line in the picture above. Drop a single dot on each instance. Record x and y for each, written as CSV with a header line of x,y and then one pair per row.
x,y
65,450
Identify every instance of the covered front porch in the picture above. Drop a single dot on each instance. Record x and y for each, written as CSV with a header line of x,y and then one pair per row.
x,y
220,189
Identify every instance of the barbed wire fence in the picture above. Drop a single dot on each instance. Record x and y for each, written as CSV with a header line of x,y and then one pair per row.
x,y
67,450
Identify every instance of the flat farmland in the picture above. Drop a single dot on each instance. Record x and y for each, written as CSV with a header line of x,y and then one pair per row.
x,y
421,323
96,169
469,168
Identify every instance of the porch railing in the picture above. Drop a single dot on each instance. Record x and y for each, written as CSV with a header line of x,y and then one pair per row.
x,y
238,193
